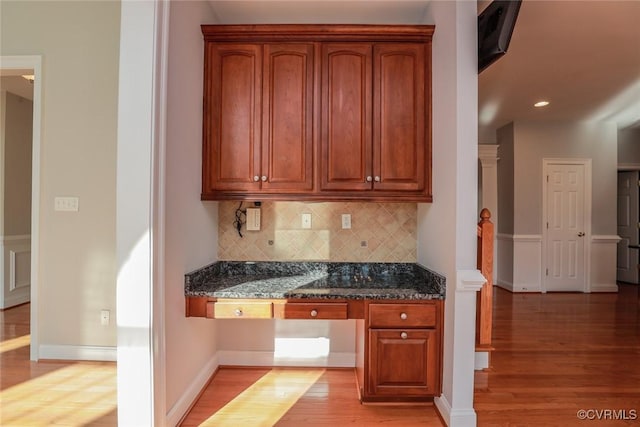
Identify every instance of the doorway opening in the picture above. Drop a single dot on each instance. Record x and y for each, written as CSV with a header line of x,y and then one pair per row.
x,y
19,232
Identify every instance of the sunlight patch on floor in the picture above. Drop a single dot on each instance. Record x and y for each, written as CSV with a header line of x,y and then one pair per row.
x,y
15,343
267,400
73,395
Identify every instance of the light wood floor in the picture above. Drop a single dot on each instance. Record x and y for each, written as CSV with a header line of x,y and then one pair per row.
x,y
555,355
52,392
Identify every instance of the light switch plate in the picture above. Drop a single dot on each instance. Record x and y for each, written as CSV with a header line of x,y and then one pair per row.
x,y
346,221
306,220
66,204
253,219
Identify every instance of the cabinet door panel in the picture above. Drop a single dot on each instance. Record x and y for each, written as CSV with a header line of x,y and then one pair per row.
x,y
403,366
346,116
399,116
231,154
287,148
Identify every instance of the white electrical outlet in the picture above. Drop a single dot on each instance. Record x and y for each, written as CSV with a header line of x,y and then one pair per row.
x,y
346,221
105,316
306,220
66,204
253,219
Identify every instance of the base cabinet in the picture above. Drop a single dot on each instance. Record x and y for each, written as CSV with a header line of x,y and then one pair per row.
x,y
402,360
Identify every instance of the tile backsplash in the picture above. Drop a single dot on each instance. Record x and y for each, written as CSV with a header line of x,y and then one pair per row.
x,y
380,232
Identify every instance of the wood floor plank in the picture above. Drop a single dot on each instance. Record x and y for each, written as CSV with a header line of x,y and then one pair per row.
x,y
50,392
555,354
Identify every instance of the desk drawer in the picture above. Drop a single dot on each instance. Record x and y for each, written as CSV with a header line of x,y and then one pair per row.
x,y
304,310
243,310
402,315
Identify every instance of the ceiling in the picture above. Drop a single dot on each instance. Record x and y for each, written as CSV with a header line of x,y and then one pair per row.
x,y
582,56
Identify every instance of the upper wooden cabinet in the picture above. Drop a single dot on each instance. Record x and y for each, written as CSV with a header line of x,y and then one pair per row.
x,y
258,118
317,112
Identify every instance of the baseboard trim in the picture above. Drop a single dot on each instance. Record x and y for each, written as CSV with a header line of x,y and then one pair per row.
x,y
77,352
266,358
455,417
481,360
505,285
188,398
604,288
14,300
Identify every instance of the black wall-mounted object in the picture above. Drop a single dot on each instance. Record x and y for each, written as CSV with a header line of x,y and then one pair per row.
x,y
495,26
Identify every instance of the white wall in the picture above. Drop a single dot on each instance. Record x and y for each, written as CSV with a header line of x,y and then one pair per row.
x,y
523,146
447,227
590,140
190,224
78,42
629,147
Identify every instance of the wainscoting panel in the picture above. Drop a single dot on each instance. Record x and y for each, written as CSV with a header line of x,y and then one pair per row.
x,y
527,265
15,270
504,276
603,263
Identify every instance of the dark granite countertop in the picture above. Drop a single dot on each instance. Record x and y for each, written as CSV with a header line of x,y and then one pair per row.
x,y
317,280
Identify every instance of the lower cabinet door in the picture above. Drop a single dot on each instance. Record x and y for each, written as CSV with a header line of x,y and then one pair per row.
x,y
403,363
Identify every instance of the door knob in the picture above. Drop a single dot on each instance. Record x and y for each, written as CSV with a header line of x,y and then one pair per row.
x,y
580,234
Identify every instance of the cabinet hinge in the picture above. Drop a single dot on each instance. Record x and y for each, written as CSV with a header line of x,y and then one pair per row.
x,y
547,178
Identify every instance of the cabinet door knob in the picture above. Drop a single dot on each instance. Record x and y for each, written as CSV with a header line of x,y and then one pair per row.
x,y
256,178
403,316
264,178
314,313
238,312
369,179
404,335
376,179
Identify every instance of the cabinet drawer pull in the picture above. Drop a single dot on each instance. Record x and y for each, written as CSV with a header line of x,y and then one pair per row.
x,y
314,313
403,316
264,178
256,178
404,335
238,312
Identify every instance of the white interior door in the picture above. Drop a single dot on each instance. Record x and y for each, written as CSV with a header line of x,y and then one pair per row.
x,y
627,267
565,234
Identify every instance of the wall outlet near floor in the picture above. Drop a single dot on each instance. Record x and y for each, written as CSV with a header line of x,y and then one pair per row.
x,y
306,220
105,317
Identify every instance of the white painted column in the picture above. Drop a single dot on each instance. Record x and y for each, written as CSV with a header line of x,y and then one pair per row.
x,y
139,213
447,236
488,155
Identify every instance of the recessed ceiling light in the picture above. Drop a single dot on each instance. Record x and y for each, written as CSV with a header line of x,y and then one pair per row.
x,y
541,104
